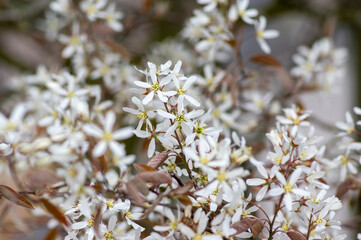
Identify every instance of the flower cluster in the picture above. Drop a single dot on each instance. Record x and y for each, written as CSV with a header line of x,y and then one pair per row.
x,y
201,146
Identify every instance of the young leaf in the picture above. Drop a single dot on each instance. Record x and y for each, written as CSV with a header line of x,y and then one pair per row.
x,y
266,60
14,197
157,160
155,177
345,186
53,210
143,168
293,235
244,224
52,234
136,187
181,190
257,229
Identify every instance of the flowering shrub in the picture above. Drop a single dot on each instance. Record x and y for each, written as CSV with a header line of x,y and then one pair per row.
x,y
197,147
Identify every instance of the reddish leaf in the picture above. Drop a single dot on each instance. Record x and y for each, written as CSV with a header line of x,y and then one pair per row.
x,y
97,220
136,187
157,160
345,186
155,177
39,180
182,190
266,60
53,210
143,168
244,224
52,234
293,235
14,197
257,229
185,200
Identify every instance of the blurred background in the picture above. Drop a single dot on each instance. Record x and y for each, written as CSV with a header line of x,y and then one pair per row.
x,y
24,45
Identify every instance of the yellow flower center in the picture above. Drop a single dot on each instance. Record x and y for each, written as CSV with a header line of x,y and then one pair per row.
x,y
109,203
278,160
216,113
344,160
296,121
180,118
197,237
203,160
288,188
245,213
108,235
105,70
221,176
129,215
259,34
91,9
109,17
241,13
154,87
10,126
173,225
91,222
142,115
210,81
70,94
285,227
171,166
181,91
319,220
260,104
75,40
72,172
107,137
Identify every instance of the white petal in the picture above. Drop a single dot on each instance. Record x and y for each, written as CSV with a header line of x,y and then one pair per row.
x,y
261,193
192,100
148,98
99,149
165,114
79,225
93,130
116,148
270,34
123,133
142,84
255,181
109,121
276,191
151,148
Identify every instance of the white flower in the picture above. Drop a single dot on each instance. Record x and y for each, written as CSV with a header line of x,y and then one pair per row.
x,y
155,87
108,138
211,4
265,182
72,95
263,34
240,10
74,43
5,149
182,90
173,224
141,113
346,164
288,187
349,126
112,17
92,8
